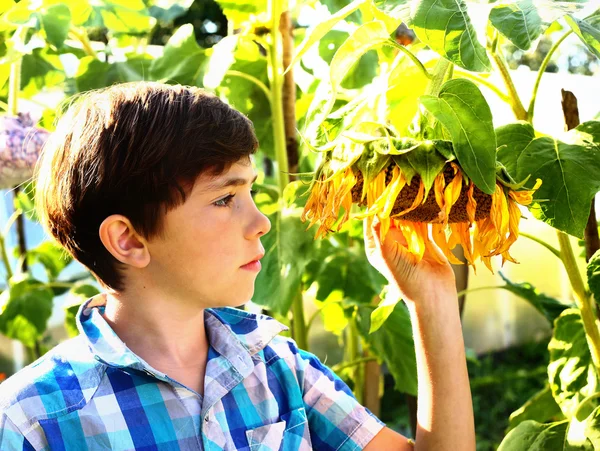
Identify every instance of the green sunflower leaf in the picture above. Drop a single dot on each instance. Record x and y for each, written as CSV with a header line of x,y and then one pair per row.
x,y
463,111
588,31
446,27
570,171
571,371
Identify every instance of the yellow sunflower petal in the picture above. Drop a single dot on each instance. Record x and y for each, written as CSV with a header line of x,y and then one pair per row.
x,y
385,227
471,203
452,192
416,202
438,188
438,233
525,197
499,211
414,233
465,240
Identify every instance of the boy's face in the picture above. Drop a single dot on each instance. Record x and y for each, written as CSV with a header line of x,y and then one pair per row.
x,y
202,256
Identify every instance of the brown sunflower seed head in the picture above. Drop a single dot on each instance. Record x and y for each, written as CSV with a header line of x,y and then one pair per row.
x,y
429,210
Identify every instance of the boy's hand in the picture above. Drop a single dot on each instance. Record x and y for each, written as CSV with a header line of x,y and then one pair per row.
x,y
416,281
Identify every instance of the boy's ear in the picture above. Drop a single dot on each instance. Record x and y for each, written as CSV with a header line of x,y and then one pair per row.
x,y
122,241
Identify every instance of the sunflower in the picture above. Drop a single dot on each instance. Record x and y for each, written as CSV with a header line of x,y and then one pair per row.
x,y
442,207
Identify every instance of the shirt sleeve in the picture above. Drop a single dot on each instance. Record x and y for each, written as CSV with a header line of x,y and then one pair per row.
x,y
337,421
11,438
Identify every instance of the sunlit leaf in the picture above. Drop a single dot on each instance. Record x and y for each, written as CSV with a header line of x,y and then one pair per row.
x,y
183,60
395,11
446,27
531,435
361,73
94,74
519,21
221,58
393,343
240,11
541,407
332,313
51,256
550,307
40,70
322,28
571,371
125,16
570,171
384,309
56,21
462,109
24,310
364,38
588,31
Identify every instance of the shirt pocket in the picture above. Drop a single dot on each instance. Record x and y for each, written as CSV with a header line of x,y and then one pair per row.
x,y
290,431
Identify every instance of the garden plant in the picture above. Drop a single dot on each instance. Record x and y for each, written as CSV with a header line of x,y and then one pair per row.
x,y
391,129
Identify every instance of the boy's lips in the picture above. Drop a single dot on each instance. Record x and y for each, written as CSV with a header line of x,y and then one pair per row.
x,y
254,264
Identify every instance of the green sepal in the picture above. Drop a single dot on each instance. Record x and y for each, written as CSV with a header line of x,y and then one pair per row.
x,y
405,167
505,178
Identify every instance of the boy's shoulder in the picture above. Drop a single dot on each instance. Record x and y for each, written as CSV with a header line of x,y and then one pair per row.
x,y
60,381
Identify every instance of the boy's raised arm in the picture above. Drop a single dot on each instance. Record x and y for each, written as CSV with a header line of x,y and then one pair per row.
x,y
445,410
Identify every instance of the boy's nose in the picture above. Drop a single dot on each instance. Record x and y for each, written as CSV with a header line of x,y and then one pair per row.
x,y
264,224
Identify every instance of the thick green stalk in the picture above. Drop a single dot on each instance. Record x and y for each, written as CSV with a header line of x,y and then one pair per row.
x,y
14,85
478,79
275,68
299,329
541,73
5,260
81,36
438,76
275,71
412,57
582,299
515,100
423,119
353,343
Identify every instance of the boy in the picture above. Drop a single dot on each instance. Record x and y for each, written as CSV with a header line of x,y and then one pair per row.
x,y
149,186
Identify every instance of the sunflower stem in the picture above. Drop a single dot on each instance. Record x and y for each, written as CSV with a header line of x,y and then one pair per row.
x,y
582,299
543,243
437,79
515,100
425,120
540,73
412,57
275,70
353,356
276,80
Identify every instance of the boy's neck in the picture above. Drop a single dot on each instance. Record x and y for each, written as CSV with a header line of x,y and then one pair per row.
x,y
169,336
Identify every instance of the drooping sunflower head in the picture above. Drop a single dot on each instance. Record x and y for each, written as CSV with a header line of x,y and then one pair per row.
x,y
421,189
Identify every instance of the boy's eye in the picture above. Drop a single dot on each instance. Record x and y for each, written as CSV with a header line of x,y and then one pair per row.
x,y
254,192
225,201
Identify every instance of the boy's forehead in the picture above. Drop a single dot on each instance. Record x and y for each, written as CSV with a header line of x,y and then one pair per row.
x,y
240,173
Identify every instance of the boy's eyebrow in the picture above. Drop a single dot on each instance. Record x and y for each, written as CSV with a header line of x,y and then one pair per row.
x,y
235,181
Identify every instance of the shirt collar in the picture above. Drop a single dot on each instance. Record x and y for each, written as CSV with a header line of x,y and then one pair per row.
x,y
235,334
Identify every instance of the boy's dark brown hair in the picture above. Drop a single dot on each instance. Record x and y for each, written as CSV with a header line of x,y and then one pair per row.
x,y
133,149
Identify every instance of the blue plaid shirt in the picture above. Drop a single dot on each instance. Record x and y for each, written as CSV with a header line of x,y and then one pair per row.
x,y
261,393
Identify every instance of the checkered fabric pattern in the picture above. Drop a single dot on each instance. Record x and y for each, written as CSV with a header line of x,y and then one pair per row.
x,y
261,393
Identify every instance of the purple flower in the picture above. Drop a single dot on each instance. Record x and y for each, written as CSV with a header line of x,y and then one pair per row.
x,y
20,147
